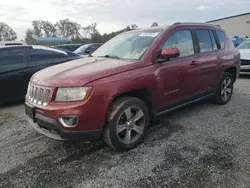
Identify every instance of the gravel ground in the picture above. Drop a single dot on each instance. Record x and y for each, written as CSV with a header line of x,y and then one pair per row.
x,y
203,145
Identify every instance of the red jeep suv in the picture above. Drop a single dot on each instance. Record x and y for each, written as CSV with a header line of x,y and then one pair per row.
x,y
138,75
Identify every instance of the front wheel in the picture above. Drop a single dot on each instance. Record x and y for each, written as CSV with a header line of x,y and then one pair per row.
x,y
127,122
225,89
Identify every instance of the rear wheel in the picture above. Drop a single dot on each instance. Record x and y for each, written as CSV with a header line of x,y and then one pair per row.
x,y
225,89
127,122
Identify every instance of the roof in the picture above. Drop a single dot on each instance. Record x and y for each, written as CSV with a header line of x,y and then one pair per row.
x,y
52,39
229,17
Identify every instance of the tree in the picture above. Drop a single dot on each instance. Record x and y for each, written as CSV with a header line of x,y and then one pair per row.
x,y
37,28
67,28
43,28
48,28
134,26
97,37
28,36
154,24
90,30
7,33
127,28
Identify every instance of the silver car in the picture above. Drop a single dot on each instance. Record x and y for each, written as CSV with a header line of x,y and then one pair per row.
x,y
244,49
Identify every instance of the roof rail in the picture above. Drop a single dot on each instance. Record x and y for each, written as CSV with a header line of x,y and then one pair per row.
x,y
178,23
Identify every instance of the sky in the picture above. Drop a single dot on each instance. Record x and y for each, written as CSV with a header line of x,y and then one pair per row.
x,y
112,15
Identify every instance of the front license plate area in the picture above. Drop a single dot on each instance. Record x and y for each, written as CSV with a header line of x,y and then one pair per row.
x,y
30,111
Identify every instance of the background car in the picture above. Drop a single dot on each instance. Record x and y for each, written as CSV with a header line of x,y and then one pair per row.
x,y
67,51
87,49
69,47
19,63
237,40
244,49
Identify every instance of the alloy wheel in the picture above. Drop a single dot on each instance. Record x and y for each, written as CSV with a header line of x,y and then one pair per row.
x,y
130,125
226,89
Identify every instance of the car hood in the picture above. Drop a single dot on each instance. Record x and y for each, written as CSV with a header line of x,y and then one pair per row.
x,y
244,54
81,71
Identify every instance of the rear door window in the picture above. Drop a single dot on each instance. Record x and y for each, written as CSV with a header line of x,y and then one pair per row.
x,y
12,57
36,56
221,38
204,40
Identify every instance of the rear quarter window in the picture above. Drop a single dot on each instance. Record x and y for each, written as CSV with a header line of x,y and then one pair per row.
x,y
11,57
221,38
214,43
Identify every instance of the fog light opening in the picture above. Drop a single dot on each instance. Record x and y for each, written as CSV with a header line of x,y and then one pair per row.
x,y
69,121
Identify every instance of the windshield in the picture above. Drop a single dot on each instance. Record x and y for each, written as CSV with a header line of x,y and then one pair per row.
x,y
245,44
81,49
130,45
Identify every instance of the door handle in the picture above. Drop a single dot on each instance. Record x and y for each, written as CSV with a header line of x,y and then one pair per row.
x,y
194,63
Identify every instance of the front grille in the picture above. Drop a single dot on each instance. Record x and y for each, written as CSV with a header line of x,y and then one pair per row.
x,y
245,70
38,94
245,62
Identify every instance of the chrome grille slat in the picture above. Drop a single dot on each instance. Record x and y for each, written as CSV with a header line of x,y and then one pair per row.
x,y
46,96
39,95
32,92
35,95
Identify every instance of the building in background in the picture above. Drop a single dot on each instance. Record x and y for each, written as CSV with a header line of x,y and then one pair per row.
x,y
238,25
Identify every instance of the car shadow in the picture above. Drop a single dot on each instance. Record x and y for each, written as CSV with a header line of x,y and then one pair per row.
x,y
13,103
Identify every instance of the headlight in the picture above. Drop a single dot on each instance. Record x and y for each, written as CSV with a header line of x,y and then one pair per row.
x,y
67,94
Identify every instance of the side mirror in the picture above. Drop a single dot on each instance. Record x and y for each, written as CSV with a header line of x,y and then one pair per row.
x,y
168,53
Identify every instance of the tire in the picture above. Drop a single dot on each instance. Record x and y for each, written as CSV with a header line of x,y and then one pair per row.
x,y
132,116
225,89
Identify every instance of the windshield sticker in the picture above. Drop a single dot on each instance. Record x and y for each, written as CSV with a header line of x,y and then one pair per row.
x,y
149,34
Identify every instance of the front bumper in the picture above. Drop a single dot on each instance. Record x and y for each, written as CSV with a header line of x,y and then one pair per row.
x,y
245,69
52,129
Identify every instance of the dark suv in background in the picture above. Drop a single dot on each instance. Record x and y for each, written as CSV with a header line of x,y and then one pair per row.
x,y
87,49
69,47
19,63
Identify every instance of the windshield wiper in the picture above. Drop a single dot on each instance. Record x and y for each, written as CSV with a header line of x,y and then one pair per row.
x,y
112,56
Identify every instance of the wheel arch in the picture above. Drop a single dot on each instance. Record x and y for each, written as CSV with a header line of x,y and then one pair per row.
x,y
143,94
233,72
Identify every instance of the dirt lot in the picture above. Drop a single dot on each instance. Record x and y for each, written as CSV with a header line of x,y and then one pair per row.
x,y
204,145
